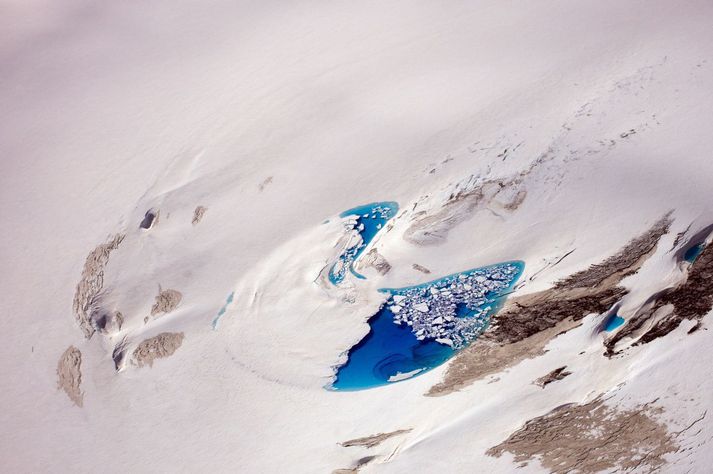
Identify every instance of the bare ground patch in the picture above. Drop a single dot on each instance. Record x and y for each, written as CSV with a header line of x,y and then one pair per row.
x,y
69,375
592,437
157,347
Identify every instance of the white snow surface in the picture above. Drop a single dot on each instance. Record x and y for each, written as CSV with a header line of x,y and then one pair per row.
x,y
109,109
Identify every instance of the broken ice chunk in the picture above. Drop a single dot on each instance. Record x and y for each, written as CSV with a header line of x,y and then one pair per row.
x,y
446,341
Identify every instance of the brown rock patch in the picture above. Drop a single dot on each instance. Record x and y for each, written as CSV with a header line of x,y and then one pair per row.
x,y
591,438
692,300
526,325
420,268
158,347
69,375
88,291
557,374
198,214
166,301
373,440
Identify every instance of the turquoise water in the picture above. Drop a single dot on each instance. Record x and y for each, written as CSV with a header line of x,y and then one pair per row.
x,y
613,322
692,254
392,350
370,219
220,314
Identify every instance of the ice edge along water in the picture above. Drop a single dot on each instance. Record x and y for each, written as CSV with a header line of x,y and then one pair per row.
x,y
420,327
362,223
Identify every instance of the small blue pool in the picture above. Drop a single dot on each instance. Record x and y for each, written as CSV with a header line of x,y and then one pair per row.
x,y
220,314
613,322
363,223
694,252
420,327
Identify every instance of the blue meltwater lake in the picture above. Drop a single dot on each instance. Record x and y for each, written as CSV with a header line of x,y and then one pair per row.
x,y
420,327
362,223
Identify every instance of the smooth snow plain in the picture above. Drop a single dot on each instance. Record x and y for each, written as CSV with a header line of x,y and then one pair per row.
x,y
276,116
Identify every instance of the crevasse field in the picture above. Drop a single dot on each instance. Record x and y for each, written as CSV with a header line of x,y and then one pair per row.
x,y
340,237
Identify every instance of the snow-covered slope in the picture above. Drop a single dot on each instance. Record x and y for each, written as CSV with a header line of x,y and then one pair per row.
x,y
555,133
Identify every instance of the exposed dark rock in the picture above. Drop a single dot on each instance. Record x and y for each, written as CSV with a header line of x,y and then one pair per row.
x,y
555,375
198,214
373,440
529,316
691,300
526,324
623,263
420,268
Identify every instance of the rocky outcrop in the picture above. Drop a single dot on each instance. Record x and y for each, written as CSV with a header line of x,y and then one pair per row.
x,y
150,219
88,291
166,301
420,268
373,440
157,347
691,300
375,260
592,437
527,324
557,374
624,263
198,214
69,375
